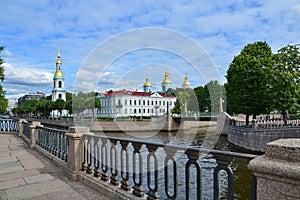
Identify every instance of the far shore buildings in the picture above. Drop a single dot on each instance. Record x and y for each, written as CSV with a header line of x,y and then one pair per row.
x,y
31,96
125,103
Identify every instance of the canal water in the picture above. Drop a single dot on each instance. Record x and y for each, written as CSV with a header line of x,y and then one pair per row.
x,y
197,138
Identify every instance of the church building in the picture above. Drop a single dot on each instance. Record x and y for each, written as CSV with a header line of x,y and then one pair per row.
x,y
58,91
136,103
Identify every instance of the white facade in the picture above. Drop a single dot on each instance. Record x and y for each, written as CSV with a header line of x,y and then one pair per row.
x,y
132,103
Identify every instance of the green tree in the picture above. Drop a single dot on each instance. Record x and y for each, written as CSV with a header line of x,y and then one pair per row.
x,y
30,106
286,79
45,107
200,94
59,105
248,78
213,91
85,101
3,100
177,108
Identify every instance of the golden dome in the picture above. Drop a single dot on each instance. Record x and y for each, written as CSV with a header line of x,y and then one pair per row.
x,y
58,73
166,79
147,83
186,81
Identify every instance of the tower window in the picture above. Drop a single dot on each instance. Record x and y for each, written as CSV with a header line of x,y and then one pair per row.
x,y
54,84
59,96
59,84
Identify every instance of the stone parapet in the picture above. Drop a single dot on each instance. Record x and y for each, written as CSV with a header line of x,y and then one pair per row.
x,y
75,149
278,171
256,139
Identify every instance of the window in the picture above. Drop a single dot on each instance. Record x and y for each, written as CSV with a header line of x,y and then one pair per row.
x,y
59,96
59,84
139,102
134,111
163,102
144,102
54,83
148,102
125,110
126,102
130,102
134,102
139,110
152,103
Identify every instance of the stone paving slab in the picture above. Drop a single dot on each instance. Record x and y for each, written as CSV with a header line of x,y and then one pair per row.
x,y
32,190
8,159
17,175
39,178
11,169
30,162
12,183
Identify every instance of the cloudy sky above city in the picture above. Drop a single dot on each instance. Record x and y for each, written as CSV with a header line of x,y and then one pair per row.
x,y
116,44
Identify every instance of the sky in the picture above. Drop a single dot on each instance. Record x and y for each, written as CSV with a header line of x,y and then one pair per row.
x,y
117,44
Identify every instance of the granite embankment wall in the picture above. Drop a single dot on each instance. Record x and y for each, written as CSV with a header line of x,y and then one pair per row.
x,y
256,139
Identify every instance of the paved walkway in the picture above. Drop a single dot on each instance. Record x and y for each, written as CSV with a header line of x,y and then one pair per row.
x,y
25,174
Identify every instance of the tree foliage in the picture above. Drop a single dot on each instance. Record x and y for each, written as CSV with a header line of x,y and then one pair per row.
x,y
248,78
286,79
3,100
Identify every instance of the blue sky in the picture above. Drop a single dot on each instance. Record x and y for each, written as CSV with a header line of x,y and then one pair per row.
x,y
32,30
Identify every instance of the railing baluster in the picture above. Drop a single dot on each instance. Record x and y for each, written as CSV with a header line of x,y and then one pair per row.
x,y
170,156
253,188
223,162
193,157
114,163
125,185
137,188
152,194
104,160
96,158
85,154
90,156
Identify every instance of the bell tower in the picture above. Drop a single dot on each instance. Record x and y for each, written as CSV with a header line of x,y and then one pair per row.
x,y
58,91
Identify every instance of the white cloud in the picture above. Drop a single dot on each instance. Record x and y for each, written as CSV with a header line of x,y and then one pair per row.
x,y
32,31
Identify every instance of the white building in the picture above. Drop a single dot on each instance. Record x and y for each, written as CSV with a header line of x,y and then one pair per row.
x,y
140,104
132,103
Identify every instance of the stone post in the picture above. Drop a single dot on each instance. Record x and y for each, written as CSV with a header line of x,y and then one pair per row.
x,y
75,149
278,171
21,126
33,133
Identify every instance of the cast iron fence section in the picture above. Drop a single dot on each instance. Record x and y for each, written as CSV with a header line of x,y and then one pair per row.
x,y
9,125
53,140
26,130
126,163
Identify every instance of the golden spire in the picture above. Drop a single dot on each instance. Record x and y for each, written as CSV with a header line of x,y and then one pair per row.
x,y
58,61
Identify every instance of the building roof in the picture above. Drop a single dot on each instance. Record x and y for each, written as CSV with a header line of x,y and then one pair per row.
x,y
134,93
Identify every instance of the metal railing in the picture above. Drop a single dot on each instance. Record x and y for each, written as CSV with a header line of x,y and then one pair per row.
x,y
168,169
27,130
54,141
272,123
9,125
